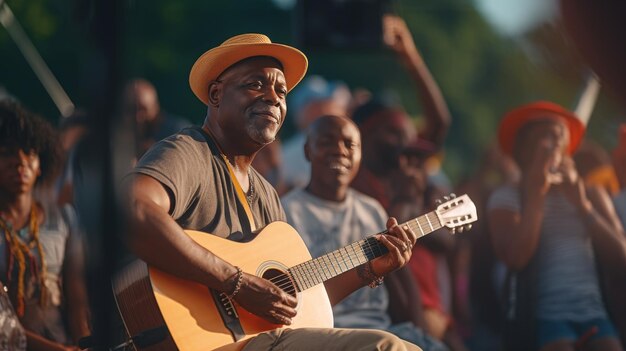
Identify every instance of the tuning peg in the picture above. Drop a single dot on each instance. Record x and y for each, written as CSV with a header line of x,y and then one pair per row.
x,y
447,198
460,229
453,230
468,226
452,195
438,202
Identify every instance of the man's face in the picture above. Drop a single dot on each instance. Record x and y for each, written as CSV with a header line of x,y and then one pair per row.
x,y
252,100
146,103
19,170
389,139
334,150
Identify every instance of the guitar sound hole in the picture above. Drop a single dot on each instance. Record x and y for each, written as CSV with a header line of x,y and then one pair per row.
x,y
281,280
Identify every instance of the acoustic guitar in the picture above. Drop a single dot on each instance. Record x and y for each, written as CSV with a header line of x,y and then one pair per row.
x,y
164,312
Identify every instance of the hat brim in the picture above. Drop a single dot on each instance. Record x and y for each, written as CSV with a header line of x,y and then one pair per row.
x,y
215,61
514,120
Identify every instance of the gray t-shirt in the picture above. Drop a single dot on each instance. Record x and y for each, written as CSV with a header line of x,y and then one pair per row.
x,y
326,226
567,283
202,194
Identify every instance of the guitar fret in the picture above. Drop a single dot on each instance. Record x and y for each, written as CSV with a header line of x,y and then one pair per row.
x,y
430,224
349,258
435,220
322,268
298,277
331,264
314,277
339,260
419,226
307,275
295,279
358,253
322,271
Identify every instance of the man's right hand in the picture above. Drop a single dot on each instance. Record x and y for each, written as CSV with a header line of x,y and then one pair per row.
x,y
266,300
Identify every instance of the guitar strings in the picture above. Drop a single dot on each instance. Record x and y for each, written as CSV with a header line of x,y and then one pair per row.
x,y
305,267
313,273
324,266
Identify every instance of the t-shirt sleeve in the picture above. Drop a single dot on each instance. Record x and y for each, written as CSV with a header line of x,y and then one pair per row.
x,y
504,198
178,164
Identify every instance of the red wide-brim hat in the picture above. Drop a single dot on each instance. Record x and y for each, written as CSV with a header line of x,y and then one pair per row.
x,y
515,119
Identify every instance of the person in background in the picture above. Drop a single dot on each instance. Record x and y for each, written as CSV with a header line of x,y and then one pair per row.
x,y
152,122
554,234
594,166
314,97
40,256
329,215
479,274
201,179
394,173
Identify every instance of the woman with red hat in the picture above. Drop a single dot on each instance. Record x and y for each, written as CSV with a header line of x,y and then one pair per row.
x,y
545,230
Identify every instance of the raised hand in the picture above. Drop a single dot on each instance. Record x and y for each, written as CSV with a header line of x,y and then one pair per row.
x,y
397,37
543,171
572,186
264,299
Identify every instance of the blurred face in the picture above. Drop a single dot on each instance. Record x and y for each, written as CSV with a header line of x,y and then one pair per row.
x,y
146,103
384,144
19,170
251,97
334,150
548,134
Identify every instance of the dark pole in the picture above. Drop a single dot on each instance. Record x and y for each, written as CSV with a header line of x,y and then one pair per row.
x,y
102,158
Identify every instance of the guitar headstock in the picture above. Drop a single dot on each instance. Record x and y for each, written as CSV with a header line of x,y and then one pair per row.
x,y
457,213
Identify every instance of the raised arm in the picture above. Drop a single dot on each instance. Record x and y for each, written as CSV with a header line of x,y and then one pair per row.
x,y
398,38
161,242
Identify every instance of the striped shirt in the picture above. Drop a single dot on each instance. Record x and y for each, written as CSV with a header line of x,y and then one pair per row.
x,y
567,282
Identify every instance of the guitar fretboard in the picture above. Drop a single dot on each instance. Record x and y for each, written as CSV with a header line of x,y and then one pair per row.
x,y
320,269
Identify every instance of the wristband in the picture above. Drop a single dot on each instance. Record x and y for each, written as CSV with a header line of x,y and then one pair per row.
x,y
239,281
366,273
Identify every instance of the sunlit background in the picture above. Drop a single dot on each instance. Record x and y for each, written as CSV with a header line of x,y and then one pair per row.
x,y
487,56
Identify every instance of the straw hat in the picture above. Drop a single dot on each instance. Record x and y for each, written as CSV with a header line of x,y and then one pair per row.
x,y
515,119
215,61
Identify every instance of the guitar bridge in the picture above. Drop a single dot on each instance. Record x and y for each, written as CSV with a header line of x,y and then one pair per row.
x,y
229,314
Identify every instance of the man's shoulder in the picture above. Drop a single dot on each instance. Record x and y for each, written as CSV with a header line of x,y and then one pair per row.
x,y
187,139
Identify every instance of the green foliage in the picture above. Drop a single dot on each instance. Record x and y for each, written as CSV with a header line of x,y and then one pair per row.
x,y
481,74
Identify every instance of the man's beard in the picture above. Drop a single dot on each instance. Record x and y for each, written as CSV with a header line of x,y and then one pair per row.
x,y
262,136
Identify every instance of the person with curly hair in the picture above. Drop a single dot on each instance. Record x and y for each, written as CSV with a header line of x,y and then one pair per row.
x,y
38,252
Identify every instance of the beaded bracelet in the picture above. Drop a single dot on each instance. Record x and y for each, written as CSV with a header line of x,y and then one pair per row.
x,y
366,273
239,277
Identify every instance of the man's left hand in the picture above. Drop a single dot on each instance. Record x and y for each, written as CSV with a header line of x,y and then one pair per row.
x,y
399,241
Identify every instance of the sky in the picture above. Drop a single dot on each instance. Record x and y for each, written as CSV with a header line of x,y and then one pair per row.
x,y
515,17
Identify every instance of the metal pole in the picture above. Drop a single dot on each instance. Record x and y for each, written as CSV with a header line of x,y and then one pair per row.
x,y
36,62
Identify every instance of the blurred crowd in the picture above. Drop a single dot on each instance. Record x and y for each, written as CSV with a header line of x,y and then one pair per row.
x,y
543,268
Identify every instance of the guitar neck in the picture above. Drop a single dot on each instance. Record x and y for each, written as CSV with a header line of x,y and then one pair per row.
x,y
330,265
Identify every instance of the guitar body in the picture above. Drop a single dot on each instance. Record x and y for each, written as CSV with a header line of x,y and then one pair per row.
x,y
163,312
188,309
